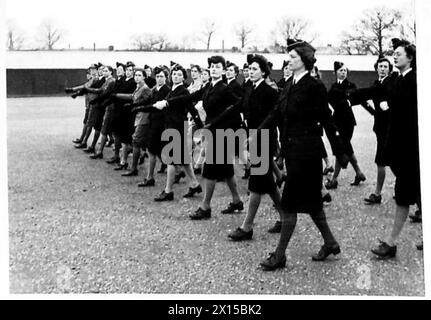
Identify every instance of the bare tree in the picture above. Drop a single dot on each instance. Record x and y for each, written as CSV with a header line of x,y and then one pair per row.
x,y
49,34
208,29
372,32
243,32
14,38
291,28
149,41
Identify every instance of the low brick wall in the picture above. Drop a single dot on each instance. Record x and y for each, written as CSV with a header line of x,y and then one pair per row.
x,y
50,82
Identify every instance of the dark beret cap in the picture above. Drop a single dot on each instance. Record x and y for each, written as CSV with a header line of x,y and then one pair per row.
x,y
120,64
305,50
338,65
130,64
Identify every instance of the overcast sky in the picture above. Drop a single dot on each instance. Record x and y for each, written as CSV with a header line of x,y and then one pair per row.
x,y
114,22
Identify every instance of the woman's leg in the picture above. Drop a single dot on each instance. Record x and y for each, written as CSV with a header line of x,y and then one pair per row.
x,y
381,175
253,206
288,224
188,169
322,224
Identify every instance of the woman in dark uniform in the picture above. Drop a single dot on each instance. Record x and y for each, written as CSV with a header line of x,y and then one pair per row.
x,y
259,99
176,118
402,144
379,93
302,106
216,98
345,121
157,122
128,86
287,73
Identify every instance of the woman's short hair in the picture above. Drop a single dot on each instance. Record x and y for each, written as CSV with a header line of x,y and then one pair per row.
x,y
177,67
140,70
197,67
163,69
383,59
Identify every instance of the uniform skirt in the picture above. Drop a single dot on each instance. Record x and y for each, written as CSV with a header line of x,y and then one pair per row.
x,y
124,126
108,120
346,134
302,189
380,158
157,126
264,183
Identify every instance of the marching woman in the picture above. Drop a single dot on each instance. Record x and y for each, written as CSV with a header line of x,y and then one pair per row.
x,y
142,94
379,93
259,99
92,77
216,98
157,122
99,81
95,118
345,122
176,118
287,73
402,143
124,122
109,106
128,85
246,75
301,106
206,81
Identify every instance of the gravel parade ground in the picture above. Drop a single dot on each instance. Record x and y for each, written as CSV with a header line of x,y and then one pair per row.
x,y
77,226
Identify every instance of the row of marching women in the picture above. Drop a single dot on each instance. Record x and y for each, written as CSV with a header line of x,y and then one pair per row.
x,y
286,119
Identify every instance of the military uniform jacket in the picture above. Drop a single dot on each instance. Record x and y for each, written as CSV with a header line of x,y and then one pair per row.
x,y
103,92
179,104
127,86
301,108
402,146
215,100
343,113
157,117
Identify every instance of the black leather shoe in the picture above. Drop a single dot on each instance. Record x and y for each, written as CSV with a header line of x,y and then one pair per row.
x,y
417,217
280,181
358,180
113,160
193,191
81,146
232,207
97,156
179,176
325,251
276,228
327,198
273,262
328,170
373,199
77,141
240,235
147,183
246,174
89,150
201,214
162,168
331,184
384,250
131,173
163,196
420,246
121,167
